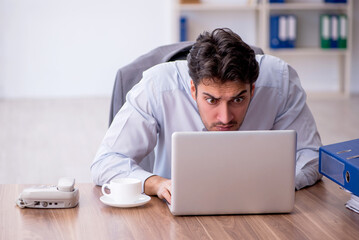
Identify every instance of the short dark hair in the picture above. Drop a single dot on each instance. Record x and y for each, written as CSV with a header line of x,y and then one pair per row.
x,y
222,56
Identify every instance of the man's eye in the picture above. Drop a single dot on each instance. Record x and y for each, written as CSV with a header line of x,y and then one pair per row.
x,y
211,101
238,100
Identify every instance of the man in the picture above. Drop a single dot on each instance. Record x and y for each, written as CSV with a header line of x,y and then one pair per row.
x,y
222,86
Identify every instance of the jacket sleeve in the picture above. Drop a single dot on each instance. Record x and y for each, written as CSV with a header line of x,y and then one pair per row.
x,y
295,114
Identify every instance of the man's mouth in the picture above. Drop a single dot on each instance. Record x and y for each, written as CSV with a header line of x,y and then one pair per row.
x,y
224,127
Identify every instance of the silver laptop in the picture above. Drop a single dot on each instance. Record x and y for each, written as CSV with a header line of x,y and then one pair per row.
x,y
241,172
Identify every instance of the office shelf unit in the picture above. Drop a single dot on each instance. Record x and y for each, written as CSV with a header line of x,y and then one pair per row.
x,y
212,14
208,15
308,33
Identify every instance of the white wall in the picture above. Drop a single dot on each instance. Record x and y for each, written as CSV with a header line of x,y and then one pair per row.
x,y
51,48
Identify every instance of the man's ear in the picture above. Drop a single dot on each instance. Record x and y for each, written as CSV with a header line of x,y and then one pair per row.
x,y
252,90
193,90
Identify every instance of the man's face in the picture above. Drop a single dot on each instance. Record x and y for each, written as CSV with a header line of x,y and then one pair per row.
x,y
222,107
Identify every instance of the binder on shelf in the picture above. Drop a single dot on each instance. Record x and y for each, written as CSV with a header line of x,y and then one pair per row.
x,y
274,40
333,31
334,27
276,1
282,31
291,31
343,31
324,31
273,31
340,163
183,29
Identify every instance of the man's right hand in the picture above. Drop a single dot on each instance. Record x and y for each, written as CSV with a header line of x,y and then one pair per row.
x,y
156,185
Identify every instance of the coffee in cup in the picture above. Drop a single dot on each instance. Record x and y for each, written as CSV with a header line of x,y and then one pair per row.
x,y
123,190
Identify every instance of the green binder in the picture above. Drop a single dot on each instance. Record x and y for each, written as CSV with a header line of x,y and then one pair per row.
x,y
343,31
325,31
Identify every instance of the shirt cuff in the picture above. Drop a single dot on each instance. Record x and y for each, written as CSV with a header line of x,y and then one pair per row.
x,y
300,180
142,175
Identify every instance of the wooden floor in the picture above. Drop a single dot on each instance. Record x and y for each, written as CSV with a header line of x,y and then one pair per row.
x,y
42,140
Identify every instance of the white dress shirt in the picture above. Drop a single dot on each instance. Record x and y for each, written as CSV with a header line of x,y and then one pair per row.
x,y
138,142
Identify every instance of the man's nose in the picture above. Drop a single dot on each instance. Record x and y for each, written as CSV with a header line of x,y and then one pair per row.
x,y
224,114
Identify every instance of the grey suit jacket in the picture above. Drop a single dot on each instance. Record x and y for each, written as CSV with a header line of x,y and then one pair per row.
x,y
131,74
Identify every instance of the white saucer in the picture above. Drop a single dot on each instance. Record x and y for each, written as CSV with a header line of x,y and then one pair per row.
x,y
143,199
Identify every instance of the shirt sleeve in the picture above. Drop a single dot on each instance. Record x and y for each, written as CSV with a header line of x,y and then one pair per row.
x,y
131,137
295,114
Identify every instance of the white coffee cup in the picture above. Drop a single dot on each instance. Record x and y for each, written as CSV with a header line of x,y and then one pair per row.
x,y
123,190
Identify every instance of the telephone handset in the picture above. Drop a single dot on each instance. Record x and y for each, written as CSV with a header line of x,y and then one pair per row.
x,y
64,195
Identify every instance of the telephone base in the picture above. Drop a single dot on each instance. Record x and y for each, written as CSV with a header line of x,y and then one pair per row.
x,y
62,196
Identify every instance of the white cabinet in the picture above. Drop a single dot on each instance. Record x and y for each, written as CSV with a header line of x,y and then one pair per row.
x,y
250,19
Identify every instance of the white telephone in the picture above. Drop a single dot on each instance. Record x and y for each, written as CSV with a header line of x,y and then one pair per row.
x,y
64,195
